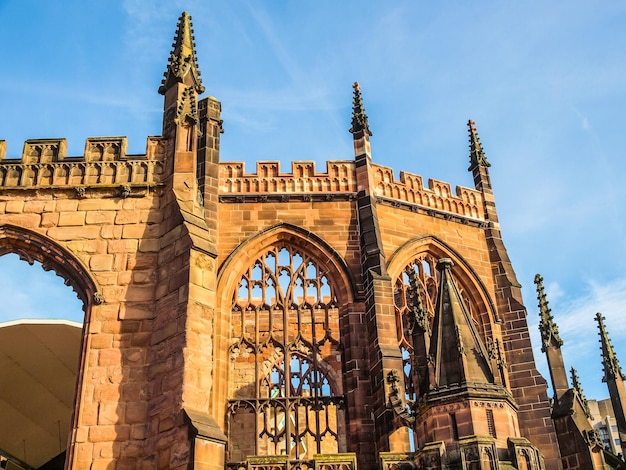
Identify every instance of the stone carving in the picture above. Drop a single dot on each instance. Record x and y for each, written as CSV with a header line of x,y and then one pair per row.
x,y
402,408
98,298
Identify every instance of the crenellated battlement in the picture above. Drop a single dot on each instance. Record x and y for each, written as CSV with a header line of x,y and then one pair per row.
x,y
339,178
438,196
44,163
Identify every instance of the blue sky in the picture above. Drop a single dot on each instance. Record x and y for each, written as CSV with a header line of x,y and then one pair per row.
x,y
544,81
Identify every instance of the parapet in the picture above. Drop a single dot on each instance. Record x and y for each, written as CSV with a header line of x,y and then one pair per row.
x,y
339,182
44,163
438,196
303,179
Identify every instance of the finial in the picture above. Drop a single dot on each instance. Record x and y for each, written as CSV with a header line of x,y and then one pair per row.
x,y
477,155
182,64
547,327
359,118
612,370
578,388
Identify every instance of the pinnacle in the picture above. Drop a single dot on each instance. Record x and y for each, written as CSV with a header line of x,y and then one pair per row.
x,y
612,369
359,118
579,390
549,330
182,64
477,155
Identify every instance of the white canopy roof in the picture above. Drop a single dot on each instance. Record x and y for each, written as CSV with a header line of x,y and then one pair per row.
x,y
38,367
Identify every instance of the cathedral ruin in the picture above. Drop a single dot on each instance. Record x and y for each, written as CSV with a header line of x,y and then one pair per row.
x,y
330,318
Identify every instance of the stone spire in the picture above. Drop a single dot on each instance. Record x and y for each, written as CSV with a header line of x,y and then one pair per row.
x,y
549,331
371,239
579,391
477,155
182,65
614,378
551,344
458,353
479,166
359,118
612,369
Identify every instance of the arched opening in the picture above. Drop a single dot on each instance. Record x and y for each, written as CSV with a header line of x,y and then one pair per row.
x,y
29,291
286,395
44,300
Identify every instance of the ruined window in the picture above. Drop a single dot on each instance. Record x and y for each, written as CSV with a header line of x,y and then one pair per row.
x,y
422,269
286,395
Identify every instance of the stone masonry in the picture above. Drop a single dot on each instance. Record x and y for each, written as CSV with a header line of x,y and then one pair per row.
x,y
160,247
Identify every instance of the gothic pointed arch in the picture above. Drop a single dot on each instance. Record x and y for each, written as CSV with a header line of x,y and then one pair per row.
x,y
241,256
31,246
467,276
284,293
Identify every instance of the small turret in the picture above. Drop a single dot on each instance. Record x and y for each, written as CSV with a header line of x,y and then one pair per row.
x,y
549,330
371,241
551,343
479,166
614,378
612,369
478,160
477,155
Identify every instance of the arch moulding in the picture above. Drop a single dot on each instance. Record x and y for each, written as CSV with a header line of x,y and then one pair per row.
x,y
31,246
246,253
466,274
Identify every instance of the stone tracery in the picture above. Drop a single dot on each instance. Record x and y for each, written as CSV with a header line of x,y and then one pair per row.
x,y
286,396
